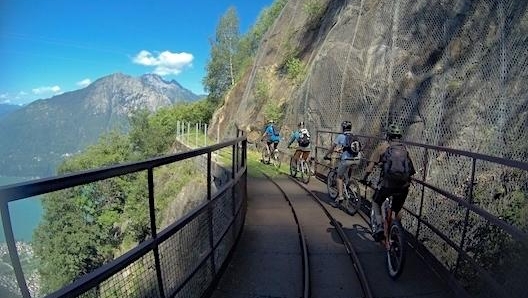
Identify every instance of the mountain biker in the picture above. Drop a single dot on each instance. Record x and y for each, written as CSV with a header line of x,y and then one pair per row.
x,y
388,186
271,135
302,136
350,147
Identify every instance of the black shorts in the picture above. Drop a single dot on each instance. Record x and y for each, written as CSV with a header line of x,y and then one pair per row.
x,y
398,197
274,144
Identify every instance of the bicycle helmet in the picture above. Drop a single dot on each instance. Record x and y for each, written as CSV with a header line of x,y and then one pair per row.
x,y
394,131
346,125
271,121
301,124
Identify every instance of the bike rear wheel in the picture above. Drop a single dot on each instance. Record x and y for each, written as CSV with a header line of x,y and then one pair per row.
x,y
396,252
305,172
331,184
293,167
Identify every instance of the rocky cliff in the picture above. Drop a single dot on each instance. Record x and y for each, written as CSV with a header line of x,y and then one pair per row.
x,y
452,72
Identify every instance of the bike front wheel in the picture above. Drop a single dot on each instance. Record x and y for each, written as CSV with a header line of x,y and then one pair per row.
x,y
265,156
305,172
353,201
396,251
293,167
331,184
276,160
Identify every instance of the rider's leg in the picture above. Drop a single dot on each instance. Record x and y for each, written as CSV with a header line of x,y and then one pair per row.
x,y
377,200
304,156
342,170
398,199
296,156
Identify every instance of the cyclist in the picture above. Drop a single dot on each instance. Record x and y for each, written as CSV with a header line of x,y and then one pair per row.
x,y
390,153
302,136
350,147
271,135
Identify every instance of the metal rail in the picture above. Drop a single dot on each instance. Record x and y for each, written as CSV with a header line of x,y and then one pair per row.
x,y
236,185
362,277
302,240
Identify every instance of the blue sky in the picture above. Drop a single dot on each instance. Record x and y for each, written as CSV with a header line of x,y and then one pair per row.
x,y
48,47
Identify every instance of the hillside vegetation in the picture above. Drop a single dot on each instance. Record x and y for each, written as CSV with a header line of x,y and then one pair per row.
x,y
87,226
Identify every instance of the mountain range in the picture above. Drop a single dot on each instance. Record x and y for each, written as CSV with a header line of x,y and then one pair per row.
x,y
37,137
7,108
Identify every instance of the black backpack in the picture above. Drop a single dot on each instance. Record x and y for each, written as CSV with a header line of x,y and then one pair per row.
x,y
397,166
352,145
304,138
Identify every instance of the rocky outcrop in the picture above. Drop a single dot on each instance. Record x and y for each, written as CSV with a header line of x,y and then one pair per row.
x,y
451,72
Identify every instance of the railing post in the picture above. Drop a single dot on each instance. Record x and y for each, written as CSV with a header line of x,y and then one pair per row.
x,y
210,211
424,177
205,133
466,219
315,156
189,131
13,253
152,212
196,128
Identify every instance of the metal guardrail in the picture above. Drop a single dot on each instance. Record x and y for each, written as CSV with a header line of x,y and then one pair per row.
x,y
454,272
222,215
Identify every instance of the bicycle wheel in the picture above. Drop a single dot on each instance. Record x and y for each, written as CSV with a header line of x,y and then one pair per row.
x,y
276,159
352,201
305,172
331,184
396,252
265,157
293,167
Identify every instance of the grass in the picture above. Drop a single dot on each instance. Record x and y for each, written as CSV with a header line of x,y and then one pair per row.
x,y
224,156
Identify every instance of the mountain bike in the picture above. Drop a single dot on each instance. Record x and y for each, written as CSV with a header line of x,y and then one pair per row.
x,y
265,153
351,200
270,157
394,237
301,166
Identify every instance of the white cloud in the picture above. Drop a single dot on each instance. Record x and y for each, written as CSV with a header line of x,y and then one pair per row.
x,y
165,63
47,89
4,96
84,83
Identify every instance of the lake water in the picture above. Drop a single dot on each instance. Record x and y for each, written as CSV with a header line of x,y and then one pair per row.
x,y
25,214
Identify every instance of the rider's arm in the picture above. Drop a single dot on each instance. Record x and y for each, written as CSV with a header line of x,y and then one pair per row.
x,y
331,150
374,159
292,139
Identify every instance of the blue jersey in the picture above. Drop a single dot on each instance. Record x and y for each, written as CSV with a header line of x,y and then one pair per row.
x,y
340,141
271,136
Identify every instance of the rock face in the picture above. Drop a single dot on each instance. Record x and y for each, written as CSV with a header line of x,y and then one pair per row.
x,y
42,133
451,72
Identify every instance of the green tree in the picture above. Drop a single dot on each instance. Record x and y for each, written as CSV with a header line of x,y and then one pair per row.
x,y
221,68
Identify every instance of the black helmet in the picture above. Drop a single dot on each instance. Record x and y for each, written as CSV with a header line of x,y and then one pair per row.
x,y
346,125
301,124
394,131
